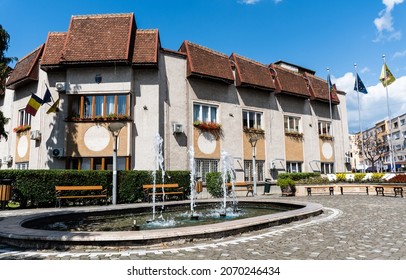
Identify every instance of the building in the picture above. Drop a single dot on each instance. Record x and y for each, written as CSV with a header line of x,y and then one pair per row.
x,y
105,69
392,134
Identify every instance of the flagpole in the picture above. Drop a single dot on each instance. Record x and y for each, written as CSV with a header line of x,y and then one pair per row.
x,y
359,119
393,169
331,116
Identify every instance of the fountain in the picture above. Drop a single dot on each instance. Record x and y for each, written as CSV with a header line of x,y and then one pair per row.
x,y
158,164
191,153
50,228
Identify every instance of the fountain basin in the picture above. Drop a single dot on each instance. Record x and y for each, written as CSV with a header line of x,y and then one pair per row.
x,y
13,230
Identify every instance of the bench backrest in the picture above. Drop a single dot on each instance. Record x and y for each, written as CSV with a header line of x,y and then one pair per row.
x,y
78,188
160,186
238,184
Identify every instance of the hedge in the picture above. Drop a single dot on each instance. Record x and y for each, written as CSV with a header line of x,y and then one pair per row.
x,y
298,176
36,188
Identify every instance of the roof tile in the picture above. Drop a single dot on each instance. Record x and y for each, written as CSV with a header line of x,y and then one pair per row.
x,y
319,90
146,47
53,48
204,62
252,73
98,38
26,69
290,82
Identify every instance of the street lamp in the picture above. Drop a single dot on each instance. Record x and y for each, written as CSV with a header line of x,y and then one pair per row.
x,y
115,129
253,141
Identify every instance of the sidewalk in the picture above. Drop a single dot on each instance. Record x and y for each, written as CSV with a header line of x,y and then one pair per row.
x,y
352,227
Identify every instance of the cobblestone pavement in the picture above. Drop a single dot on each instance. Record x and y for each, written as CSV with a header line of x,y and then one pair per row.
x,y
352,227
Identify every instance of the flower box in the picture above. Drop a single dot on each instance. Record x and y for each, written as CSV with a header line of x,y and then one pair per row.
x,y
211,127
21,128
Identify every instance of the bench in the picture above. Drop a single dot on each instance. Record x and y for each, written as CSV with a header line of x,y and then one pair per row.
x,y
353,187
241,186
330,189
79,192
169,190
397,190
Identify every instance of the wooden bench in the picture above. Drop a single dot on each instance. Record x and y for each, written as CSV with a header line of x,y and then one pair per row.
x,y
396,190
241,186
169,190
79,192
353,187
329,188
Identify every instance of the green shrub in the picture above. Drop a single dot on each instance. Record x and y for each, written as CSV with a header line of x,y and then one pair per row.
x,y
340,177
358,177
377,177
214,183
314,181
36,188
287,185
298,176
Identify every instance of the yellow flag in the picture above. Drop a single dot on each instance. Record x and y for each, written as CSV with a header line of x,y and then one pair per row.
x,y
386,74
54,107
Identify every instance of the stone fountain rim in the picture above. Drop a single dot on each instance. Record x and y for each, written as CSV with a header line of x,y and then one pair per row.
x,y
12,231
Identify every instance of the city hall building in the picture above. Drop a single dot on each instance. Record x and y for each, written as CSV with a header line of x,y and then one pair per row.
x,y
106,70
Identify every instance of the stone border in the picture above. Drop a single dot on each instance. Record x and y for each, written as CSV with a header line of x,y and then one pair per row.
x,y
11,231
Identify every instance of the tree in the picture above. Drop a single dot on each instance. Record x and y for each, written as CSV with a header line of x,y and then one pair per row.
x,y
4,71
3,122
374,148
4,60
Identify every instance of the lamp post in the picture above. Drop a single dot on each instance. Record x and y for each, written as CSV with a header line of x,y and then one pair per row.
x,y
253,141
115,129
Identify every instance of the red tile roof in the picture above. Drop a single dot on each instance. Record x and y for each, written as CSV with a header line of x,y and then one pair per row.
x,y
289,82
146,47
252,73
53,48
207,63
26,69
319,90
99,38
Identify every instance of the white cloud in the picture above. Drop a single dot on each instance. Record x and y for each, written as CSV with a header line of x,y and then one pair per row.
x,y
399,54
365,70
250,2
373,106
384,23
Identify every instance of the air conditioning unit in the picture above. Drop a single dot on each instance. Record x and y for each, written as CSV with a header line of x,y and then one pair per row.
x,y
7,159
60,86
57,152
35,135
177,128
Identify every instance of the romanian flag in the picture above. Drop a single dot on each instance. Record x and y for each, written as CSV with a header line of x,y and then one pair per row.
x,y
386,77
33,105
54,108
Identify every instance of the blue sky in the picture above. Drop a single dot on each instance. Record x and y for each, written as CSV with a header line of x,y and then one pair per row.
x,y
315,34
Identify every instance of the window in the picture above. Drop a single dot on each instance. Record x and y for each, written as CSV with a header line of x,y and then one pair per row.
x,y
292,124
204,166
327,168
22,165
204,113
396,135
402,122
395,125
248,172
24,118
293,167
324,128
90,106
251,120
97,163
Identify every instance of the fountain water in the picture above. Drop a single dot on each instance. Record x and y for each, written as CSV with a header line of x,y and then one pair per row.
x,y
191,153
158,164
228,171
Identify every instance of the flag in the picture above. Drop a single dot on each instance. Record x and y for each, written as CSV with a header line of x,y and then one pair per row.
x,y
47,97
54,108
386,74
330,84
359,85
33,105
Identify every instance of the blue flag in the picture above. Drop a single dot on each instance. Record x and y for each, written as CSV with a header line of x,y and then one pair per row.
x,y
47,96
359,85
